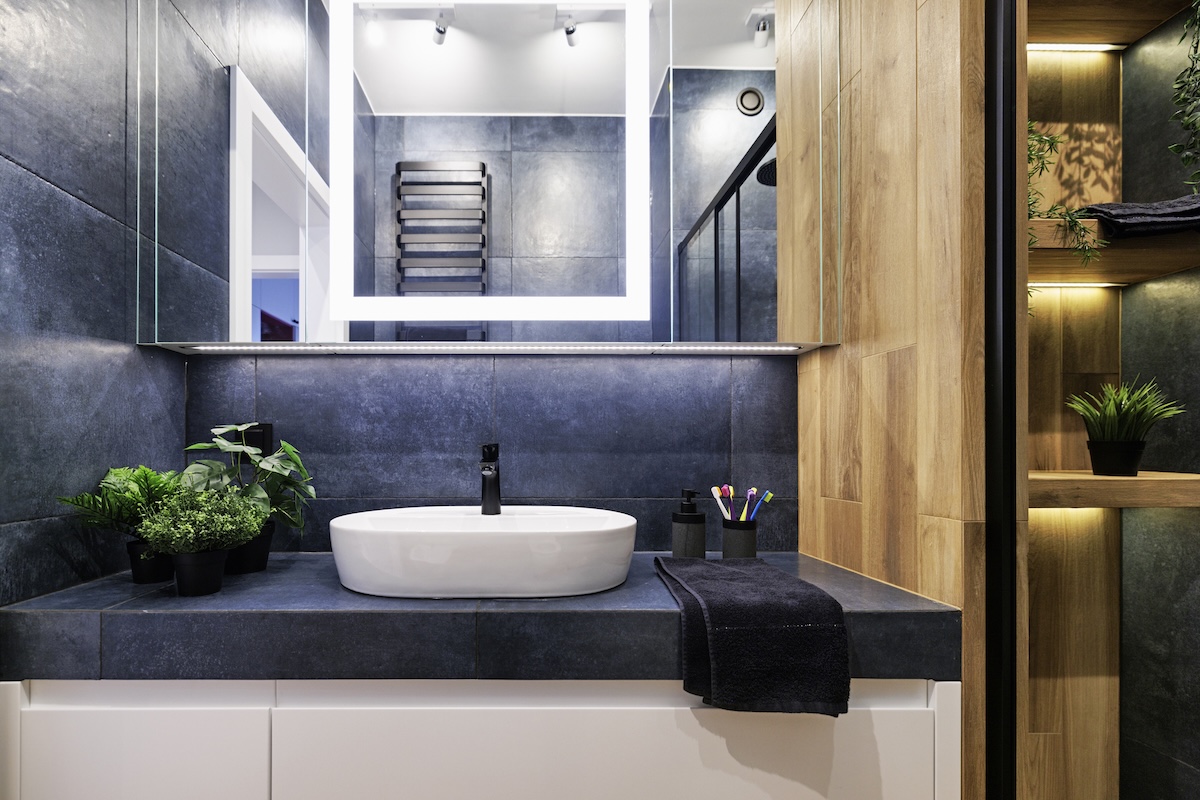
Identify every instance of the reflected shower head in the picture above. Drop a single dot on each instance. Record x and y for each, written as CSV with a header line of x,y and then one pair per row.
x,y
569,29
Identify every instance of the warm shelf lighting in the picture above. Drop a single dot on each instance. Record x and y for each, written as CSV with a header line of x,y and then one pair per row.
x,y
1073,48
1074,285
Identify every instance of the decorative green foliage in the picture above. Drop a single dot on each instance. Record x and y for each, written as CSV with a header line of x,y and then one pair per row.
x,y
278,483
1124,413
196,522
1187,97
124,498
1041,149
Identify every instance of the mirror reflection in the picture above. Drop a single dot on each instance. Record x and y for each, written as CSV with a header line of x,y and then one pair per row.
x,y
226,258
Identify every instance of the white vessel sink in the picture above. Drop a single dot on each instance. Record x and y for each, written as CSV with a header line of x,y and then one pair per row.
x,y
456,551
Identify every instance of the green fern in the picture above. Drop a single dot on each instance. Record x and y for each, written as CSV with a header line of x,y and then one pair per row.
x,y
124,498
1123,413
1187,97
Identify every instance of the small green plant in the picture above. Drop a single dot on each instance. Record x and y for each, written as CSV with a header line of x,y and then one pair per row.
x,y
125,497
1187,97
277,483
196,522
1123,413
1042,147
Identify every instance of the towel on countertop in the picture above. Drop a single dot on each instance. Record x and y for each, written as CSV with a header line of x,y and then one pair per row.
x,y
755,638
1144,219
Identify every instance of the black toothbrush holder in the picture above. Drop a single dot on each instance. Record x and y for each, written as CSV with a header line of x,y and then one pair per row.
x,y
739,538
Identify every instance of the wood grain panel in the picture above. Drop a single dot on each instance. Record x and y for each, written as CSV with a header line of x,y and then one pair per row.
x,y
1091,330
1121,261
850,43
889,428
941,553
1082,489
842,521
831,294
809,455
1047,625
889,125
1042,766
841,435
975,659
1098,21
1045,412
799,279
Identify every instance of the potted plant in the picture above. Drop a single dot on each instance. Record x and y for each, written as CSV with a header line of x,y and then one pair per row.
x,y
197,529
278,483
1117,423
124,498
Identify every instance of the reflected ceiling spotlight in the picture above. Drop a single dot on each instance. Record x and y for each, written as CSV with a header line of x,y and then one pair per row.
x,y
762,32
569,28
439,29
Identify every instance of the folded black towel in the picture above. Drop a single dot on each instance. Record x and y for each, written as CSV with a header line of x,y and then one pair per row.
x,y
758,639
1144,219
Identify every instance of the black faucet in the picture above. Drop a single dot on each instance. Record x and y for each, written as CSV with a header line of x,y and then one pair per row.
x,y
489,467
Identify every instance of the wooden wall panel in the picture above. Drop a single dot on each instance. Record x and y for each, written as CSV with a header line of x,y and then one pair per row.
x,y
1046,414
843,523
941,558
809,405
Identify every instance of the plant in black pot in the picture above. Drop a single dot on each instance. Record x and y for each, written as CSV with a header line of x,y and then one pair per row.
x,y
1117,423
197,529
125,497
277,483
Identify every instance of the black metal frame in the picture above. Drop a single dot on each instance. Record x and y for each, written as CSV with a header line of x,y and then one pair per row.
x,y
1000,364
730,190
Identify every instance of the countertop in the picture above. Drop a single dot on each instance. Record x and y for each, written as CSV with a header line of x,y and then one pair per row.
x,y
295,621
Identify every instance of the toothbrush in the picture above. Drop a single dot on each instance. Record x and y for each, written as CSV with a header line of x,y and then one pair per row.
x,y
750,495
716,493
728,491
766,498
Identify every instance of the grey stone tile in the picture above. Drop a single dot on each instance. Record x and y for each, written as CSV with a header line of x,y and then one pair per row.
x,y
365,220
106,592
718,89
1147,774
566,276
220,391
458,134
125,408
759,296
364,268
49,645
369,425
1160,634
764,424
271,51
64,106
567,205
569,134
193,303
52,553
622,426
192,137
64,266
216,23
318,89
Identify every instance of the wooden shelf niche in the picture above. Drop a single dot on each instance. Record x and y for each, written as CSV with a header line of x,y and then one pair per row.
x,y
1121,261
1082,489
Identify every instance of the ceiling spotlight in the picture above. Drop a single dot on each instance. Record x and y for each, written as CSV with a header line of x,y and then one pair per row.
x,y
569,29
761,32
439,29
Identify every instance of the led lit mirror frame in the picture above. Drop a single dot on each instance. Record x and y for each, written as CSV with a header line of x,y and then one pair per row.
x,y
634,305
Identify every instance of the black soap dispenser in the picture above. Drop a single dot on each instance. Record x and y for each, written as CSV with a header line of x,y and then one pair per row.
x,y
687,528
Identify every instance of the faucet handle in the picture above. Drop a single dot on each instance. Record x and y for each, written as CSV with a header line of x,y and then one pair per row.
x,y
491,452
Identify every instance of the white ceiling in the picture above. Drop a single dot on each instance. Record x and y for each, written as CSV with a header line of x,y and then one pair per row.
x,y
514,59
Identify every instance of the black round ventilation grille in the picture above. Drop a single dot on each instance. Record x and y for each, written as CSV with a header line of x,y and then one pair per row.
x,y
750,101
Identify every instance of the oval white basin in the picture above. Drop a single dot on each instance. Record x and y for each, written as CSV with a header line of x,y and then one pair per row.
x,y
456,551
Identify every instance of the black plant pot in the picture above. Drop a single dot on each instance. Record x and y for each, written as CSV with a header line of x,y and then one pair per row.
x,y
1116,458
251,556
152,568
199,573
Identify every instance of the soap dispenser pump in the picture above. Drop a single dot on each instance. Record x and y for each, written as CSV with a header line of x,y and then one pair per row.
x,y
687,528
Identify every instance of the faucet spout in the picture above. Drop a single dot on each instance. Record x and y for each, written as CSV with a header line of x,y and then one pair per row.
x,y
489,468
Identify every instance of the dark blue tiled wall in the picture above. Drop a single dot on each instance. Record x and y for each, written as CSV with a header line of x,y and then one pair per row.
x,y
1160,585
1148,68
710,136
623,432
76,395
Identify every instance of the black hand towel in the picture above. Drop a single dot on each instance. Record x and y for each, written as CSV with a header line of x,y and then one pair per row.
x,y
1144,219
758,639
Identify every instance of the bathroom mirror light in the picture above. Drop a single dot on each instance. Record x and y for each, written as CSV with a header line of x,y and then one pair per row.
x,y
491,348
633,305
1072,48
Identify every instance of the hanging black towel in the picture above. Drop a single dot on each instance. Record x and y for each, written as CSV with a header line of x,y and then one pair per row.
x,y
1145,219
758,639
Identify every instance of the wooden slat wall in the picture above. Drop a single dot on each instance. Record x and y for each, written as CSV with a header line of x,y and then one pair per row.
x,y
891,420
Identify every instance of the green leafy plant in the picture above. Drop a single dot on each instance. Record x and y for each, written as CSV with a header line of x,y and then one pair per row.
x,y
1123,413
277,483
1042,148
196,522
1186,96
125,497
